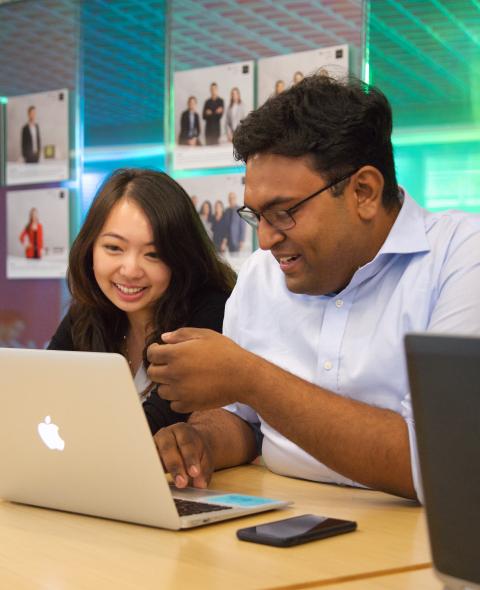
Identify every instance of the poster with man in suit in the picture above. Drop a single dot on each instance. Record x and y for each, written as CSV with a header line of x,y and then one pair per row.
x,y
217,99
31,137
38,138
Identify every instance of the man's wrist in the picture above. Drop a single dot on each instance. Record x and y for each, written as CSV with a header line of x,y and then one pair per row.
x,y
250,378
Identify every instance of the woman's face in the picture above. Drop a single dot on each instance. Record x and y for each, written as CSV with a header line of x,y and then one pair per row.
x,y
218,208
34,215
298,77
235,95
125,263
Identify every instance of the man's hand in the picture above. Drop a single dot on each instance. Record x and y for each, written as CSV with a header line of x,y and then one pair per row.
x,y
199,369
185,455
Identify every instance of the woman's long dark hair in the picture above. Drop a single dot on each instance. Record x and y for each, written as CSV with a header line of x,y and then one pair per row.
x,y
181,242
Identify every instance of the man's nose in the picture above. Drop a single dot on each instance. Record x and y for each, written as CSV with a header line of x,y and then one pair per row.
x,y
268,236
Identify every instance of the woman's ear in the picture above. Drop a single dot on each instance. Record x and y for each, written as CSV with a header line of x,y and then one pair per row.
x,y
368,188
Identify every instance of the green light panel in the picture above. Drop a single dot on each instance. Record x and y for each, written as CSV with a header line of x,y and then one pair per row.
x,y
425,56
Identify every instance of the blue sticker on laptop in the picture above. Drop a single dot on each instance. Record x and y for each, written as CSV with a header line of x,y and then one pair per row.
x,y
240,500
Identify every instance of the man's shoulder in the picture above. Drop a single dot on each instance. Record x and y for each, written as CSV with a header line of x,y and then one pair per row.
x,y
445,227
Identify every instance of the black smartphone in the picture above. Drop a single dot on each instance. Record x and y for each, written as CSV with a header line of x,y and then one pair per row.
x,y
296,530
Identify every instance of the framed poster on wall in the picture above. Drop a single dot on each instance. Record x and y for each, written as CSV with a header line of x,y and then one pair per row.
x,y
37,138
279,72
209,104
37,233
216,199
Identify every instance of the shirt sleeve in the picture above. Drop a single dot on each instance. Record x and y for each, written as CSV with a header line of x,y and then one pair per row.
x,y
243,411
456,311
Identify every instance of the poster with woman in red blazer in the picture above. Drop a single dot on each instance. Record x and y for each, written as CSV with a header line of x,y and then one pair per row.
x,y
33,235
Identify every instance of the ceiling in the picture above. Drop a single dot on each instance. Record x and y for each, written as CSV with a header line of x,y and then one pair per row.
x,y
424,54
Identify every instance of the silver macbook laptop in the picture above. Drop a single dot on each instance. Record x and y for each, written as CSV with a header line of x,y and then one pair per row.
x,y
74,437
444,374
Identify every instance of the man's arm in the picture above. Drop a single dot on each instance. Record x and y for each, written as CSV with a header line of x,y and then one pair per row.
x,y
366,444
201,370
213,439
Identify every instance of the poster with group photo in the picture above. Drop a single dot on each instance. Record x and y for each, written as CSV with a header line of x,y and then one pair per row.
x,y
209,104
216,199
275,74
37,233
37,138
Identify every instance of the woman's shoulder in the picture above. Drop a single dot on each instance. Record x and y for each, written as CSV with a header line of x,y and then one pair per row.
x,y
211,297
208,306
62,339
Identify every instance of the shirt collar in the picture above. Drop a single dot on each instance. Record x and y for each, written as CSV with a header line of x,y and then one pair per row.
x,y
408,234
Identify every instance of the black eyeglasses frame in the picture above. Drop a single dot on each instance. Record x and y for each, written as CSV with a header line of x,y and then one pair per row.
x,y
255,220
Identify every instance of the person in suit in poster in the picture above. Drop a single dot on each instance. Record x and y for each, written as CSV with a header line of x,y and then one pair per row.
x,y
235,225
212,113
190,124
31,144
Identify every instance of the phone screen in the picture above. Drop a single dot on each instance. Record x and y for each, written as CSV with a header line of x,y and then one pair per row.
x,y
299,529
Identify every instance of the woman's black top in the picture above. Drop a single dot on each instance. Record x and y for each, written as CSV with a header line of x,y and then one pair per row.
x,y
207,313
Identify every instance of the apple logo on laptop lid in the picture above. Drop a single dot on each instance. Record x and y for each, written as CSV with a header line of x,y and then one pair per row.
x,y
48,432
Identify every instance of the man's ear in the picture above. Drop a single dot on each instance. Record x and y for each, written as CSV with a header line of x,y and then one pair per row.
x,y
367,185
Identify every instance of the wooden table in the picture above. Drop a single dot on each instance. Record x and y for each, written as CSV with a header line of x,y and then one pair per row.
x,y
421,579
46,549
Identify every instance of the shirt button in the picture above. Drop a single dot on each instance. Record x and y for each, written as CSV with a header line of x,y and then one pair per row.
x,y
339,302
327,365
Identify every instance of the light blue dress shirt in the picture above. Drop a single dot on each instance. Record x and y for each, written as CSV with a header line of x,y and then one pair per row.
x,y
425,277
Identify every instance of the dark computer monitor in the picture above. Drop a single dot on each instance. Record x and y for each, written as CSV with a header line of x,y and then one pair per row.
x,y
444,374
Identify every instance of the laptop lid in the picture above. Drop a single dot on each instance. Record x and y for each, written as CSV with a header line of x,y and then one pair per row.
x,y
444,374
74,437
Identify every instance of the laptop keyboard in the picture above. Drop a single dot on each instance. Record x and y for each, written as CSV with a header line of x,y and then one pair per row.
x,y
187,507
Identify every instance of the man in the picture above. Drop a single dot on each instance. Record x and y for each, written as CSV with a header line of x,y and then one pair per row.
x,y
312,357
31,138
190,124
212,113
235,225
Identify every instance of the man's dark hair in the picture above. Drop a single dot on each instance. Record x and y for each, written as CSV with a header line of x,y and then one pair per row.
x,y
341,125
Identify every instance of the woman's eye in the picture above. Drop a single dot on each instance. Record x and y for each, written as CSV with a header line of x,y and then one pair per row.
x,y
112,248
153,255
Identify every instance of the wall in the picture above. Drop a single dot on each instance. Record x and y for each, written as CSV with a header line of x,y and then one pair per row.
x,y
118,60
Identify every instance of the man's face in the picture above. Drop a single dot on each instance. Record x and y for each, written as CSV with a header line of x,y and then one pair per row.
x,y
232,199
214,90
192,104
31,115
320,254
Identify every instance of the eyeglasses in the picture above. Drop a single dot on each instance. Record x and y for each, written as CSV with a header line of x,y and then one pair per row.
x,y
283,218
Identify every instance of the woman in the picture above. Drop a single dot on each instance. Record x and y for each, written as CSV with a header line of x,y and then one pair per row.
x,y
279,87
298,77
141,265
219,227
235,112
33,231
206,217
